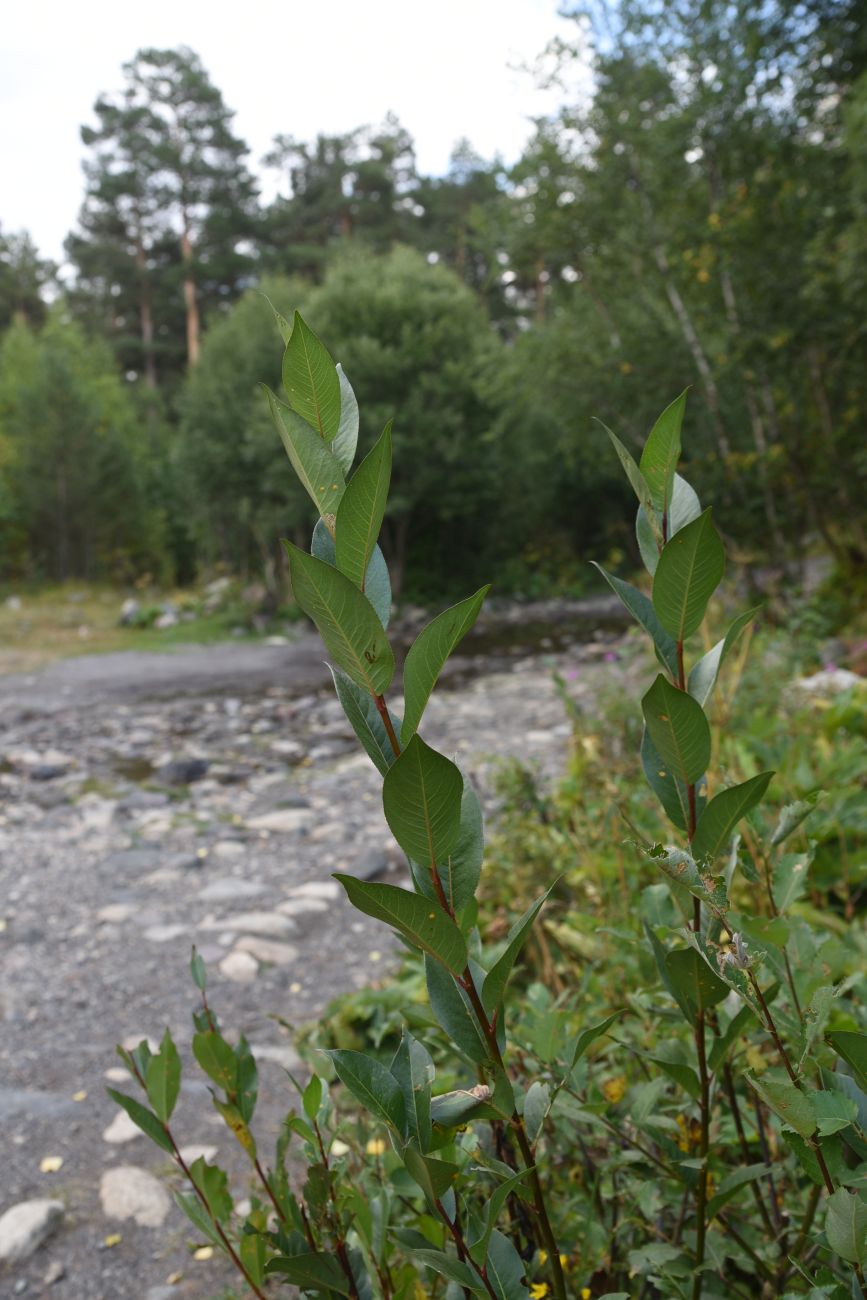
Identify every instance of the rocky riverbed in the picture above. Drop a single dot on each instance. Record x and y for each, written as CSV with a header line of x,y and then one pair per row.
x,y
152,802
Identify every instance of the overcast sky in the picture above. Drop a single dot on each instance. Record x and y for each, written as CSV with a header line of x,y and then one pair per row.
x,y
447,69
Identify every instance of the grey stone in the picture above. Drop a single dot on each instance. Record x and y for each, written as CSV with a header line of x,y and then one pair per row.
x,y
240,967
327,889
182,771
267,950
55,1271
229,888
281,1054
25,1226
132,861
24,1101
267,923
130,613
127,1192
121,1129
283,821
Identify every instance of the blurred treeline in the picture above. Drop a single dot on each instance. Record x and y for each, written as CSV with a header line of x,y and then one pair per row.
x,y
694,214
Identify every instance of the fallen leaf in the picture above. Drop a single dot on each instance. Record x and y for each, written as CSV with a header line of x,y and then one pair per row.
x,y
50,1164
204,1252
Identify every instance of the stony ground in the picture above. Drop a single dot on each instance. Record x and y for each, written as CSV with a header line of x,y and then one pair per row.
x,y
152,802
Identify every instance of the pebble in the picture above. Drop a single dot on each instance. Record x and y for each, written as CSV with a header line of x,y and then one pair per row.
x,y
267,950
24,1227
267,923
121,1130
55,1271
115,913
302,906
240,967
284,821
127,1192
192,1153
328,889
230,888
165,933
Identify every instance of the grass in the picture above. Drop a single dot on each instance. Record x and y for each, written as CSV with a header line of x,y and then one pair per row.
x,y
60,622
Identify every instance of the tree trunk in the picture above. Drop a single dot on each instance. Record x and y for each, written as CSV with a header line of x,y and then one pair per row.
x,y
146,320
190,301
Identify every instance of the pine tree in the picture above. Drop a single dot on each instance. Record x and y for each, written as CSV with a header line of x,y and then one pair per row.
x,y
169,205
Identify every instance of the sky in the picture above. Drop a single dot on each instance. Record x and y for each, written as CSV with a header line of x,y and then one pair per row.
x,y
449,69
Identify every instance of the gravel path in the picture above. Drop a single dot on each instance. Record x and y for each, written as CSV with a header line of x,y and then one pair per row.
x,y
152,801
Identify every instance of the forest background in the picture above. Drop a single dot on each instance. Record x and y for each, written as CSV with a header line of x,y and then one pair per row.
x,y
699,219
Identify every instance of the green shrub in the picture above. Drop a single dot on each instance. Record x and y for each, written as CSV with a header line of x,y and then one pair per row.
x,y
679,1108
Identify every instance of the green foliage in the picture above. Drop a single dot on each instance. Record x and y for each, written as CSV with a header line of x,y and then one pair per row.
x,y
621,1090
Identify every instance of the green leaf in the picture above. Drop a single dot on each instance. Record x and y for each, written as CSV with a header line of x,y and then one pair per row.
x,y
498,976
452,1109
280,321
537,1103
414,1070
679,1072
428,653
505,1269
739,1024
434,1177
787,1101
669,789
793,814
252,1248
312,460
311,1097
703,674
347,622
453,1012
694,985
248,1079
236,1124
214,1186
461,871
217,1059
371,1083
846,1226
790,878
637,481
377,584
449,1267
362,506
198,1216
493,1206
853,1049
421,798
587,1037
731,1185
197,970
311,381
661,453
643,612
834,1111
723,813
685,873
163,1079
689,571
346,437
313,1270
685,506
419,919
365,719
144,1118
679,730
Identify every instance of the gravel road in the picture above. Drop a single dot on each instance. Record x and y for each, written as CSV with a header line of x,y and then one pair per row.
x,y
151,801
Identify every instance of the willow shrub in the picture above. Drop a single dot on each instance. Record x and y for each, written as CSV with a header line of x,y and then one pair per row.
x,y
731,1161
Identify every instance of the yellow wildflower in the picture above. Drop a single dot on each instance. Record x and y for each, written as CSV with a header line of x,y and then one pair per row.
x,y
539,1290
375,1147
615,1088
